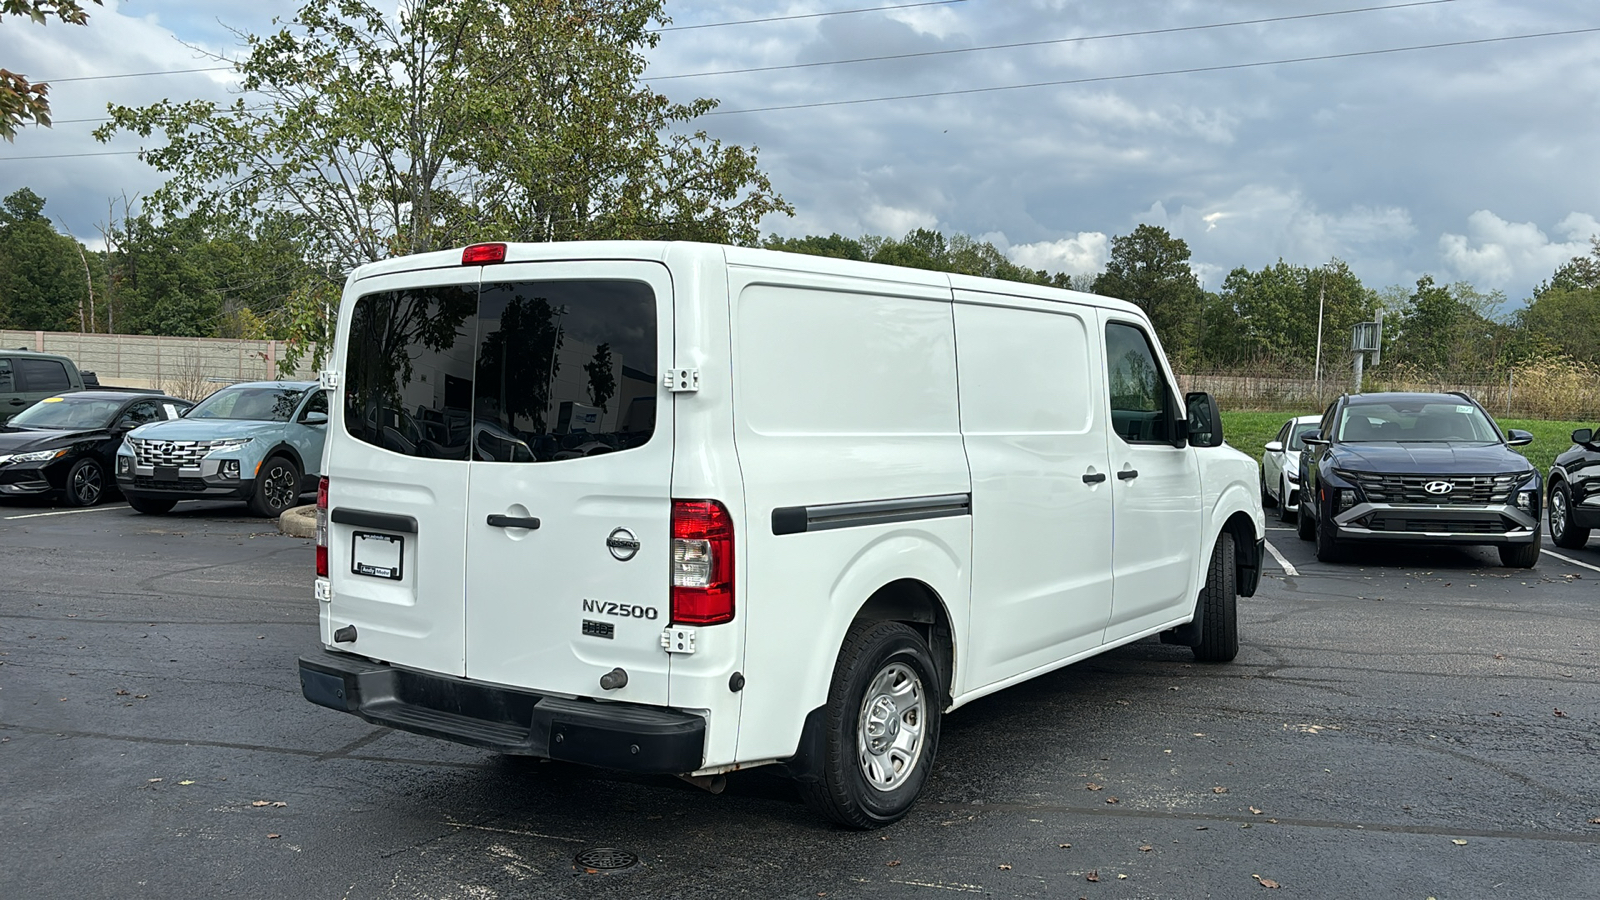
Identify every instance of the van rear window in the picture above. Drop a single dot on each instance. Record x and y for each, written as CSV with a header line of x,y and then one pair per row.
x,y
515,372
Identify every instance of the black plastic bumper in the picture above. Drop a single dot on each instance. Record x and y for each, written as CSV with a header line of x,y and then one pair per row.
x,y
185,488
621,736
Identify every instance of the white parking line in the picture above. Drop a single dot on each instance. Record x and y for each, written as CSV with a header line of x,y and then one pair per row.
x,y
1568,559
1288,568
65,512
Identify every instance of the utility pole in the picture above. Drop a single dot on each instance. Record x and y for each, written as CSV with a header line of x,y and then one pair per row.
x,y
1317,369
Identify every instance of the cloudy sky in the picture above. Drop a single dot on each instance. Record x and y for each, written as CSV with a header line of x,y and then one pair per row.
x,y
1045,126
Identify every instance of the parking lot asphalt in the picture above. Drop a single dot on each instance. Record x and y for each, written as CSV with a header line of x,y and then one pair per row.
x,y
1419,723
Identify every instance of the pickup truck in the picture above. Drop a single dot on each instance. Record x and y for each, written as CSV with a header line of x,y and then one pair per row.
x,y
27,377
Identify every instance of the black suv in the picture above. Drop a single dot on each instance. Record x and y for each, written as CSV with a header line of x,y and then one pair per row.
x,y
1575,491
1418,468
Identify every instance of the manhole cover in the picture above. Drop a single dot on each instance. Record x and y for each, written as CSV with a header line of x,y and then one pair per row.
x,y
604,861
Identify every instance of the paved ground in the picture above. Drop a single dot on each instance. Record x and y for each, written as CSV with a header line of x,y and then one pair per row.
x,y
1420,725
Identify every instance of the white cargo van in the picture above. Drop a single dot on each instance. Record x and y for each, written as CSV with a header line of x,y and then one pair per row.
x,y
822,504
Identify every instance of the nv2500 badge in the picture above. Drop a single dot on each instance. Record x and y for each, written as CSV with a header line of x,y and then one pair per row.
x,y
620,610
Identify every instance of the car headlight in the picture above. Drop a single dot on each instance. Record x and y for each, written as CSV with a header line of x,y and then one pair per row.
x,y
36,456
1292,475
223,446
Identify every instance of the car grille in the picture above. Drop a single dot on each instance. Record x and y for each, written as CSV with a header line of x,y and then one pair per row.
x,y
1437,526
1465,490
169,453
190,485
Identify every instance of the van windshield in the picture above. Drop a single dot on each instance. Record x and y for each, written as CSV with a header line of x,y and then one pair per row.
x,y
524,372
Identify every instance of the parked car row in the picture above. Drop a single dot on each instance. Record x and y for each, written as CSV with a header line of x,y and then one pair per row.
x,y
1426,469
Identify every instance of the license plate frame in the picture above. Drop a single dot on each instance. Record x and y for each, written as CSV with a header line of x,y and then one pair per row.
x,y
166,474
384,555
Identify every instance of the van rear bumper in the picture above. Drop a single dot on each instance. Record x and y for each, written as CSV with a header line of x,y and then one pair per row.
x,y
623,736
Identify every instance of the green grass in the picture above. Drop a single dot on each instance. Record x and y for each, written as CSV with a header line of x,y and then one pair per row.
x,y
1249,431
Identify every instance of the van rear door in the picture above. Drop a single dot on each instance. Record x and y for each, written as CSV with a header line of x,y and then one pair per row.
x,y
569,516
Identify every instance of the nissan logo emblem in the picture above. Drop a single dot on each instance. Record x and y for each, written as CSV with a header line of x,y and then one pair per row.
x,y
622,544
1438,487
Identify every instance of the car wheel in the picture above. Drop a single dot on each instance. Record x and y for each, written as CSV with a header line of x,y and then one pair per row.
x,y
1219,606
1520,556
1266,499
86,483
277,488
1284,512
1562,532
1305,525
151,506
1329,550
881,727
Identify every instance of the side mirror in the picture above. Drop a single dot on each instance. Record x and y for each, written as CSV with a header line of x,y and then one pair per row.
x,y
124,423
1516,437
1315,439
1583,436
1274,446
314,418
184,412
1205,421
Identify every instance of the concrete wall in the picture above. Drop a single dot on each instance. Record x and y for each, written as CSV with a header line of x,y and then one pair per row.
x,y
184,366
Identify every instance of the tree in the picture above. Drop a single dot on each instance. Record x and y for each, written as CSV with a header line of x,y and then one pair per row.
x,y
20,99
42,279
602,380
450,123
834,245
1150,268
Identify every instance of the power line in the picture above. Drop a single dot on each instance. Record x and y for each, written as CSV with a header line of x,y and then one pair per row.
x,y
135,74
70,155
819,15
1190,71
1070,40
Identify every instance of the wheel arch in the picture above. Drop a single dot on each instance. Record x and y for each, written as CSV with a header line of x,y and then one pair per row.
x,y
285,449
915,603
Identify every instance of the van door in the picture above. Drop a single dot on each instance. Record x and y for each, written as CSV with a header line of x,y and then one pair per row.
x,y
398,481
569,517
1155,485
1041,495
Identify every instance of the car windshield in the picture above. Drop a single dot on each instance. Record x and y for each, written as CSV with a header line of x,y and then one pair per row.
x,y
67,414
1424,421
1297,435
264,404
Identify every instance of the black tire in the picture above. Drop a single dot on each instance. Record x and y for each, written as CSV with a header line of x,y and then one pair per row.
x,y
1284,512
1266,499
873,652
1329,550
1520,556
1563,533
86,483
277,487
151,505
1305,526
1219,606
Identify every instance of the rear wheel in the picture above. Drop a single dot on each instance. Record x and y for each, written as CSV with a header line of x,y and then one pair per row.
x,y
277,488
151,505
1219,606
1562,531
882,727
86,483
1520,556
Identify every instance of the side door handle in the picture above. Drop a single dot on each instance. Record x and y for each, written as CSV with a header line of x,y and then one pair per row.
x,y
499,521
1094,477
1127,474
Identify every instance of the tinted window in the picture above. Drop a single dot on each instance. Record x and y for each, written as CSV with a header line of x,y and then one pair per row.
x,y
6,384
68,413
409,370
145,411
263,404
559,366
317,404
43,375
1297,440
1423,422
1141,411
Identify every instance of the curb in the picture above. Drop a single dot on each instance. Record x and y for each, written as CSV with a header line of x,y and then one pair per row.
x,y
300,522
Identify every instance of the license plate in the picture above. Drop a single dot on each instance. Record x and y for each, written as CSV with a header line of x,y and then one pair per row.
x,y
166,473
377,555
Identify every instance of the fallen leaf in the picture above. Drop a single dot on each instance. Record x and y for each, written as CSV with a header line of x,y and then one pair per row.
x,y
1499,656
260,802
186,781
1124,877
1219,790
1202,828
141,696
1065,846
1254,811
1145,848
121,692
1092,786
1272,821
1269,883
1594,821
1559,713
1112,800
1094,875
279,803
152,780
1005,867
892,863
273,837
1459,843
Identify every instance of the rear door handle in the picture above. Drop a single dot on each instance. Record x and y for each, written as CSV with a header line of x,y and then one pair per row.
x,y
1127,474
1094,477
499,521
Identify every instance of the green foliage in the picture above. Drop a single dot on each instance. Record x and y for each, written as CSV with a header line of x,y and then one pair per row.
x,y
21,100
1150,268
1271,315
921,248
834,245
42,278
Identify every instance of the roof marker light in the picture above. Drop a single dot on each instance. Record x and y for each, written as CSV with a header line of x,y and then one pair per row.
x,y
483,254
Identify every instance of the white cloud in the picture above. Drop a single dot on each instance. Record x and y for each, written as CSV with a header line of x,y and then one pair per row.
x,y
1495,253
1083,253
894,222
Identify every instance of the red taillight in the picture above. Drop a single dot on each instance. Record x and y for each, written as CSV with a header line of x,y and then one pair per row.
x,y
702,563
322,527
481,254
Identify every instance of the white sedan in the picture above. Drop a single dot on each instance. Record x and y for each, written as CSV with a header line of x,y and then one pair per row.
x,y
1280,466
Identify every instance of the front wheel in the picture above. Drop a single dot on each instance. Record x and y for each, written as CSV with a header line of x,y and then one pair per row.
x,y
882,727
86,483
277,488
1520,556
1219,606
1563,532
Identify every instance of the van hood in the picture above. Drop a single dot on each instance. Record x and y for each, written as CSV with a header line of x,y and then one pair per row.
x,y
206,429
1395,458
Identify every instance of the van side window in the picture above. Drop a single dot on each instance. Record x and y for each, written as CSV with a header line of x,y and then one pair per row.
x,y
39,375
409,370
1141,404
